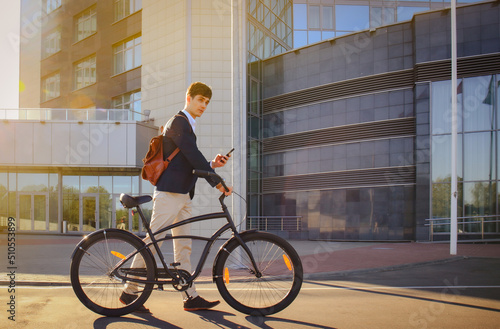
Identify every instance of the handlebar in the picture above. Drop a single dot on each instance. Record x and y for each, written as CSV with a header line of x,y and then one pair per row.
x,y
204,173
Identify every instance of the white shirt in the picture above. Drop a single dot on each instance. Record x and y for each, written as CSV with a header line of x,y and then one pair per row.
x,y
192,121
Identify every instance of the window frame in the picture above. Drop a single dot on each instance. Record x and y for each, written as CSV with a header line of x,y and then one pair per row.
x,y
51,5
121,12
46,84
76,69
82,34
119,103
123,51
54,35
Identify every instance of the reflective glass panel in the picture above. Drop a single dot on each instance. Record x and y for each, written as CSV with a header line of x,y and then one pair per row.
x,y
105,210
71,184
106,184
121,215
406,13
314,36
90,184
40,212
4,197
441,107
135,184
441,158
24,221
327,17
300,16
478,101
478,156
497,113
32,182
314,17
122,184
89,213
479,198
352,18
299,39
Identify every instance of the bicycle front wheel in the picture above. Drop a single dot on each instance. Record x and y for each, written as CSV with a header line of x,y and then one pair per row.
x,y
94,284
267,292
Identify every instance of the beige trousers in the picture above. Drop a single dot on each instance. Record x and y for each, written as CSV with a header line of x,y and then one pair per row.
x,y
169,208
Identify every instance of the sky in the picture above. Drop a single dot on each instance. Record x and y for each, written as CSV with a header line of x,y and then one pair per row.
x,y
9,54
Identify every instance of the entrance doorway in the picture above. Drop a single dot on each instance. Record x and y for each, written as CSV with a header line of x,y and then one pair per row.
x,y
33,211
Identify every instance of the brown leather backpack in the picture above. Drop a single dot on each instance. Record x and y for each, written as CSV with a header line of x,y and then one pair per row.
x,y
154,165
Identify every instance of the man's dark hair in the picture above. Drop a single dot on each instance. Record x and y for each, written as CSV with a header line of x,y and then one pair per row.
x,y
199,88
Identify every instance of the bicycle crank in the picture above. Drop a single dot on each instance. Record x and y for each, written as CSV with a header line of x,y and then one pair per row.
x,y
181,283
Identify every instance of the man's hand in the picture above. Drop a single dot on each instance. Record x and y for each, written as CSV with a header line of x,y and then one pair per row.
x,y
223,190
220,161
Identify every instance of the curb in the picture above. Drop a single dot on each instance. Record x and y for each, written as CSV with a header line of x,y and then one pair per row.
x,y
307,276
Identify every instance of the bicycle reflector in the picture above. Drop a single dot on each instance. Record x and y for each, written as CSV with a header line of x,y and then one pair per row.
x,y
287,262
226,275
117,254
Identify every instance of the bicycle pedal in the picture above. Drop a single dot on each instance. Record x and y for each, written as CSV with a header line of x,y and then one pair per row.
x,y
175,264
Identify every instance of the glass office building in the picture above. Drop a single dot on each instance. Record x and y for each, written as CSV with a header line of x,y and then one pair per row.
x,y
356,128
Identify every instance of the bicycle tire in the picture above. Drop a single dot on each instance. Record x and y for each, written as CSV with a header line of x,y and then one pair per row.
x,y
90,267
279,264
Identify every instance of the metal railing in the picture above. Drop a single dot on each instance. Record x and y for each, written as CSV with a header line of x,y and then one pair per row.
x,y
471,225
275,223
46,114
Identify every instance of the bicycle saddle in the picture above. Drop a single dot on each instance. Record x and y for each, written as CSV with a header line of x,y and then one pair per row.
x,y
133,201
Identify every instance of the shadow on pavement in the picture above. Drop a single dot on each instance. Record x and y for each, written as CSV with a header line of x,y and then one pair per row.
x,y
221,319
147,320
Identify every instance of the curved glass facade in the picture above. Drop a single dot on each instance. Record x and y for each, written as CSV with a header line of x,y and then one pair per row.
x,y
315,21
356,131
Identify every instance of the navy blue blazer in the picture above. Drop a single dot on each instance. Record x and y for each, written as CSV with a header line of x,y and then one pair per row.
x,y
178,177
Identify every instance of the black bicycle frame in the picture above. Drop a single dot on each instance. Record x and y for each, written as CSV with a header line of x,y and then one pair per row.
x,y
209,243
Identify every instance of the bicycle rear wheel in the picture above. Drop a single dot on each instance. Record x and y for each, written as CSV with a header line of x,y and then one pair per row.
x,y
91,268
272,291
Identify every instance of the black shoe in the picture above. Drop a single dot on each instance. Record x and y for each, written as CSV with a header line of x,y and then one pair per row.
x,y
128,298
198,303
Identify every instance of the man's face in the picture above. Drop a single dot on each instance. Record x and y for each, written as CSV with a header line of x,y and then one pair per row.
x,y
197,105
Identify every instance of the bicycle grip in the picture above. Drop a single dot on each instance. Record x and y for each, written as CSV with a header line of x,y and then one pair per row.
x,y
203,173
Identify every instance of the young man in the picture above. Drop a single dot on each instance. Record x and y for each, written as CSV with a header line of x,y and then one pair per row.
x,y
175,189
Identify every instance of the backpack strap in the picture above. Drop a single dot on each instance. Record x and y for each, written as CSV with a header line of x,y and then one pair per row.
x,y
174,153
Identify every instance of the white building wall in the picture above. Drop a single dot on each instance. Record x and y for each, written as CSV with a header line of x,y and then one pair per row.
x,y
184,42
67,143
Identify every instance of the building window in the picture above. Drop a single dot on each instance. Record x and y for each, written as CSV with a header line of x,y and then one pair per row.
x,y
312,24
124,8
127,55
85,73
51,5
51,87
52,43
125,104
406,13
85,24
351,18
478,161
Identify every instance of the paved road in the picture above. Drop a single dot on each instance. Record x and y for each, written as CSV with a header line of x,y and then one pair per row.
x,y
464,293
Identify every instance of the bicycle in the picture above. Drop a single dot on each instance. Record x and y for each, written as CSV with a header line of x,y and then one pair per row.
x,y
256,273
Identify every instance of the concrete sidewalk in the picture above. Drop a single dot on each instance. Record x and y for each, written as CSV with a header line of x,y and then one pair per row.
x,y
45,260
